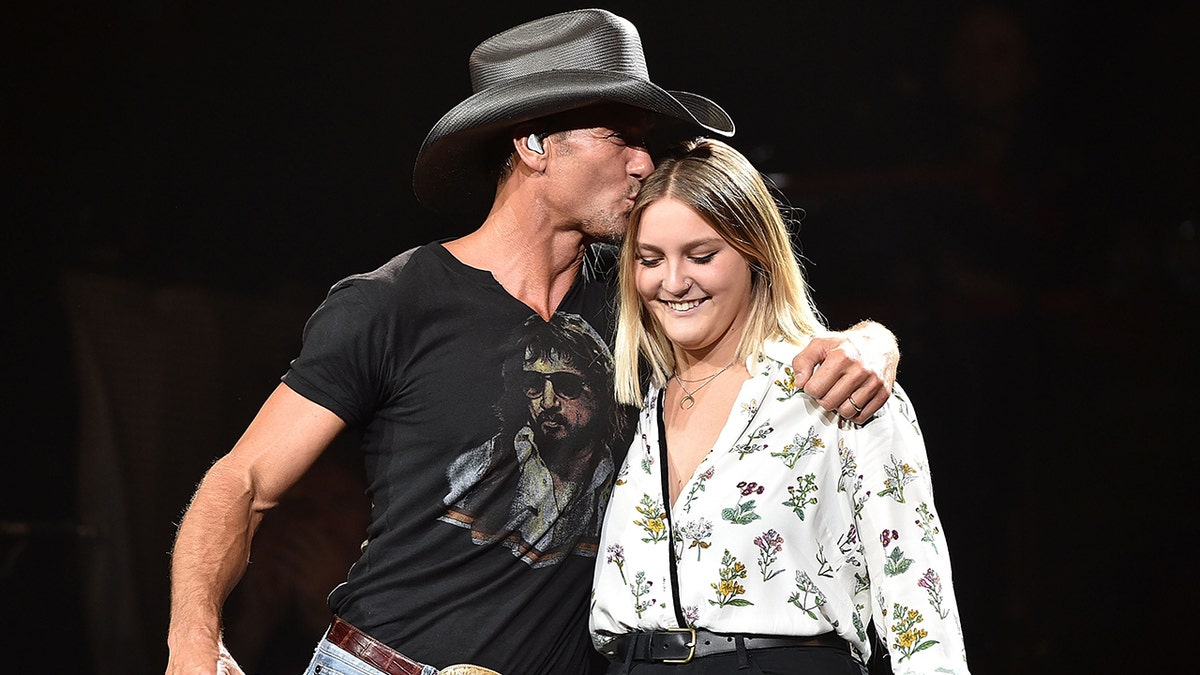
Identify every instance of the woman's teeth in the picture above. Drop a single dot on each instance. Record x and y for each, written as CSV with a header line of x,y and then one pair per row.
x,y
681,306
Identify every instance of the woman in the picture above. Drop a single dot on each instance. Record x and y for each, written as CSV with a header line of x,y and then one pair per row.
x,y
791,528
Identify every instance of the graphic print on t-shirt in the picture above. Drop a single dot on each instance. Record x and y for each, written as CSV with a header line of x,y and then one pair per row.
x,y
540,485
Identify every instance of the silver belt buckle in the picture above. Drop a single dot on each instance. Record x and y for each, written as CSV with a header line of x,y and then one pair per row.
x,y
691,645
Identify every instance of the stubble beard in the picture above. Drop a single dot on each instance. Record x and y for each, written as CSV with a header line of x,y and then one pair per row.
x,y
608,228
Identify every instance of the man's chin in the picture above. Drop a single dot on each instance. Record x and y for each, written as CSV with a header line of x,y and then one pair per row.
x,y
607,237
614,238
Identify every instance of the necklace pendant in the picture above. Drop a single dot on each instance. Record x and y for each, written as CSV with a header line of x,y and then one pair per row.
x,y
687,402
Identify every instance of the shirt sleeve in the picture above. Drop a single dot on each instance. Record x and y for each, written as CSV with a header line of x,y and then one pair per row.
x,y
914,607
342,355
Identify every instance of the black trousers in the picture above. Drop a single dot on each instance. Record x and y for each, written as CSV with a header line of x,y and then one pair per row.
x,y
779,661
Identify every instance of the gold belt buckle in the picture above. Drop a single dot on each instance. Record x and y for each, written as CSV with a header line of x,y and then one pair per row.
x,y
466,669
691,645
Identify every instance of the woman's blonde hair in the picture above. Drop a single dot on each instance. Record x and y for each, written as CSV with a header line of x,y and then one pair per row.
x,y
725,189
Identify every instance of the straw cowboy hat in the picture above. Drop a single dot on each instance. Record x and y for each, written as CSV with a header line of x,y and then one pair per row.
x,y
549,65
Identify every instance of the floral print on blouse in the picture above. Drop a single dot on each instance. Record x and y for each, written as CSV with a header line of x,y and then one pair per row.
x,y
796,523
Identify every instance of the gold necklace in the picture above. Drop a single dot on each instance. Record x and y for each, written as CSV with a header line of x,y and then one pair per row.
x,y
689,400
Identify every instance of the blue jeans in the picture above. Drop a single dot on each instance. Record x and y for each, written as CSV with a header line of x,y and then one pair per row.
x,y
329,659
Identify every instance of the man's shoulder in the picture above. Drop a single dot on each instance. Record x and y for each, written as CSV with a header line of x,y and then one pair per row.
x,y
387,273
393,279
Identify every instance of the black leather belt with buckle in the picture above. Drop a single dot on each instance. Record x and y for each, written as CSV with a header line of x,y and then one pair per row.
x,y
681,645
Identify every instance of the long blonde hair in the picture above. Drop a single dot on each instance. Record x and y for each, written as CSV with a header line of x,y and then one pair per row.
x,y
725,189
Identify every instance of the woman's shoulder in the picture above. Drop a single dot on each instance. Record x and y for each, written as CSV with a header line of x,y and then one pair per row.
x,y
900,405
781,351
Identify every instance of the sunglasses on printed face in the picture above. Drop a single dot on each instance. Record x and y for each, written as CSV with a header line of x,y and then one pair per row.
x,y
567,385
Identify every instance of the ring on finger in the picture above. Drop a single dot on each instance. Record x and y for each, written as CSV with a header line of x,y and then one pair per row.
x,y
857,408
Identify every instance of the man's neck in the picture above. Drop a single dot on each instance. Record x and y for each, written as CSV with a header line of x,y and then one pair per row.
x,y
534,261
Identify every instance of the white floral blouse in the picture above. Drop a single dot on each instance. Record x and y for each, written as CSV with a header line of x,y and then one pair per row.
x,y
794,524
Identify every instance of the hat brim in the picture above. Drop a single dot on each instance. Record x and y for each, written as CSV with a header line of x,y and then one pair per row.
x,y
452,174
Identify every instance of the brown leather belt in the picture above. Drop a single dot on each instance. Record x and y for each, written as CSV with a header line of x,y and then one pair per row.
x,y
681,645
370,650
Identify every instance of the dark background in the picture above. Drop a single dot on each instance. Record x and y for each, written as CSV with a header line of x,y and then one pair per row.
x,y
1011,188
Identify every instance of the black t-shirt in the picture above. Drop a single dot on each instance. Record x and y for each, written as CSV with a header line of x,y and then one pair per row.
x,y
490,438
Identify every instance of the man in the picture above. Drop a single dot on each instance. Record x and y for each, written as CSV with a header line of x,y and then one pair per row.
x,y
553,143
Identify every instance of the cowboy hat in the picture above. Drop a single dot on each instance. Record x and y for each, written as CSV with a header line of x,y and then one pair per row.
x,y
546,66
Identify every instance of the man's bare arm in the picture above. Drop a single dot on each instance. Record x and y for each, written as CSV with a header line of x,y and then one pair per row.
x,y
212,547
858,369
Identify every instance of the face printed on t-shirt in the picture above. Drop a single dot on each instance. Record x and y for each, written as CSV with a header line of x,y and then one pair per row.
x,y
539,486
561,401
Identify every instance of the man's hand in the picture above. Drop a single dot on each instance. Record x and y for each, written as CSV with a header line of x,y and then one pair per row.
x,y
856,373
226,665
223,665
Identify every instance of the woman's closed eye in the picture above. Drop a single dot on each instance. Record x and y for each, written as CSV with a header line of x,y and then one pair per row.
x,y
647,261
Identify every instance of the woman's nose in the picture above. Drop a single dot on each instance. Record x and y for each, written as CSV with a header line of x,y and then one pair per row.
x,y
676,281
